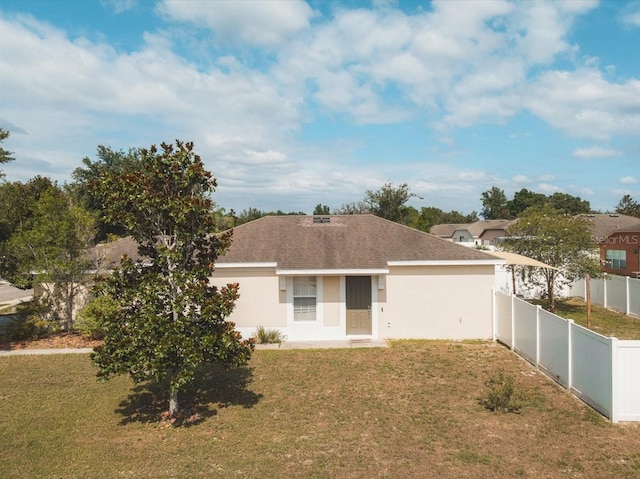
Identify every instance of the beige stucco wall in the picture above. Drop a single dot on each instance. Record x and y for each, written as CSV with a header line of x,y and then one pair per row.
x,y
437,302
431,302
261,302
331,296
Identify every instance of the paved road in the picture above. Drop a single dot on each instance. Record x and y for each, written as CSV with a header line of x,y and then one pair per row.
x,y
8,293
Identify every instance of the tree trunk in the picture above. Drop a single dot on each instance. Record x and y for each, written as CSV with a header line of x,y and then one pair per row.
x,y
173,402
69,307
551,298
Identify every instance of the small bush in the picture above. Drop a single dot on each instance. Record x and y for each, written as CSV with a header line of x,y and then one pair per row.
x,y
90,319
502,395
29,328
268,336
30,323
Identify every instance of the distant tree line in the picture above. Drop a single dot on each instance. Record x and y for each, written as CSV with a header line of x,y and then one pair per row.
x,y
495,204
388,202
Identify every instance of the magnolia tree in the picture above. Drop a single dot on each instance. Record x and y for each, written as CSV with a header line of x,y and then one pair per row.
x,y
559,240
164,318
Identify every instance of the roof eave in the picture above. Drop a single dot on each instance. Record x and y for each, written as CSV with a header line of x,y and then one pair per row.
x,y
332,272
447,262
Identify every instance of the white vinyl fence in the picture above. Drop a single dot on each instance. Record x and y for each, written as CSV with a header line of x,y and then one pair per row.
x,y
614,292
601,371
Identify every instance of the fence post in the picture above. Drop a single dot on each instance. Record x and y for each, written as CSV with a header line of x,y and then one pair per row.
x,y
604,291
538,308
570,354
513,322
626,295
494,314
614,380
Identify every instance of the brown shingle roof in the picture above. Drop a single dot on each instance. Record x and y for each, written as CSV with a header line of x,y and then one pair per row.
x,y
630,229
109,254
602,225
446,230
345,242
476,229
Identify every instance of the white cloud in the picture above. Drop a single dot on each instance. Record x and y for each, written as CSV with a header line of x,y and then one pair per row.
x,y
548,188
596,152
456,64
118,6
628,180
583,104
253,22
521,179
468,60
546,178
82,94
630,15
580,190
472,175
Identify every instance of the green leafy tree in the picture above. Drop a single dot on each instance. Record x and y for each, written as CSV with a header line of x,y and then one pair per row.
x,y
494,204
18,202
353,208
51,246
628,206
285,213
429,216
390,202
569,204
249,214
5,156
321,209
524,199
169,319
108,162
559,240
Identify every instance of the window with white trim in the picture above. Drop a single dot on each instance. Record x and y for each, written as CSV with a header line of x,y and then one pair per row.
x,y
304,298
617,258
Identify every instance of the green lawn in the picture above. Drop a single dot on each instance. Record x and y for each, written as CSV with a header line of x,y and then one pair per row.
x,y
604,321
411,410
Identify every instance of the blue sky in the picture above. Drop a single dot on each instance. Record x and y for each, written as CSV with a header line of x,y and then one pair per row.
x,y
294,103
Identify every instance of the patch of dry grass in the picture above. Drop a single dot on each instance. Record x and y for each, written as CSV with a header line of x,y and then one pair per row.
x,y
412,410
604,321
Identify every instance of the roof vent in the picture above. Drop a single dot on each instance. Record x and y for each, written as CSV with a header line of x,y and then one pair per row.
x,y
321,219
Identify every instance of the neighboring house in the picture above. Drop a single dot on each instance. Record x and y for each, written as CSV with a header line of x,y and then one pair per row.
x,y
619,252
479,233
456,232
618,238
356,276
604,224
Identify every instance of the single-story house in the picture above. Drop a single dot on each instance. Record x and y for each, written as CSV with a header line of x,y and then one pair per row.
x,y
619,252
479,233
356,276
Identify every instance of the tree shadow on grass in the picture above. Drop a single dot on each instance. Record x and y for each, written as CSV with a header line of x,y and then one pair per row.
x,y
213,388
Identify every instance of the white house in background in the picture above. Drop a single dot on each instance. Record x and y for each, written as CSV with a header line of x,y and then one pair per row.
x,y
479,233
356,276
